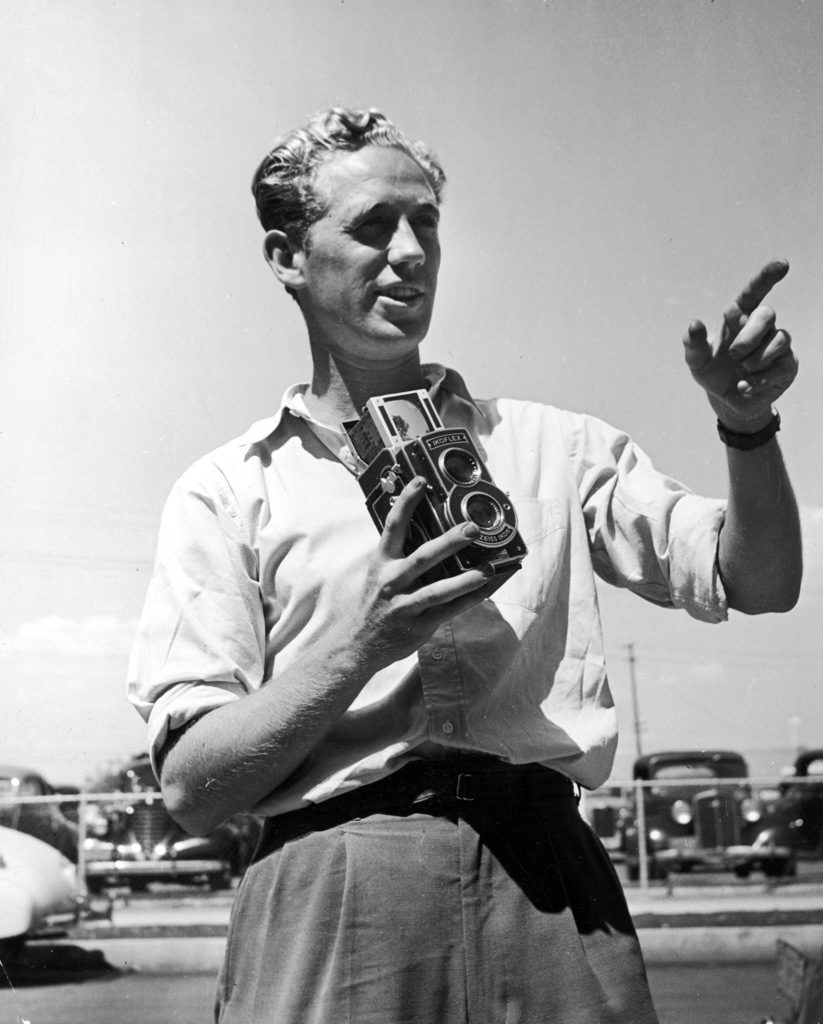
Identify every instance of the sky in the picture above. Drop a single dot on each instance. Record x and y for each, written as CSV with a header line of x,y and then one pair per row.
x,y
615,170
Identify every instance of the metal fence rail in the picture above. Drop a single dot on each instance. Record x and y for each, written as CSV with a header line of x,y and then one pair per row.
x,y
632,793
84,802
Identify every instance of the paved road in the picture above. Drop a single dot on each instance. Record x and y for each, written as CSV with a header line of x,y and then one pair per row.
x,y
71,985
58,994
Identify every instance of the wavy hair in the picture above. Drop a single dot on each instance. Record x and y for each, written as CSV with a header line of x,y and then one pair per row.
x,y
283,184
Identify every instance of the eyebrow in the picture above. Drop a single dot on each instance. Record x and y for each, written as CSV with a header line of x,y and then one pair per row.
x,y
368,206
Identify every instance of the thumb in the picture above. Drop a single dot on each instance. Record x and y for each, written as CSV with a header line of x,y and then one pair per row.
x,y
696,346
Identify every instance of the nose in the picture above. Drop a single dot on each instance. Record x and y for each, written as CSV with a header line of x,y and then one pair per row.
x,y
405,246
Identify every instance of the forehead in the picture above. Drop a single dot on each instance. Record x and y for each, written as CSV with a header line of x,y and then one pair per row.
x,y
375,174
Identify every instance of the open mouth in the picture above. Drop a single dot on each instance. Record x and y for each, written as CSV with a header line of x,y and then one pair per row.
x,y
402,293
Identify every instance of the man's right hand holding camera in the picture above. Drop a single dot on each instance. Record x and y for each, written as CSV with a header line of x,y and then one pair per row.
x,y
232,757
400,613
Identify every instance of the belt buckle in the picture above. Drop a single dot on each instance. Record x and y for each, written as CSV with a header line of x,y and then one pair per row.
x,y
459,786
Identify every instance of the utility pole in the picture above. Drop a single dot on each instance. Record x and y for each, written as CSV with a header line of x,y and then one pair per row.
x,y
794,726
635,705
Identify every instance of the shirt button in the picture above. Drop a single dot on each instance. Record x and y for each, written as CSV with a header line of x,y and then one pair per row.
x,y
448,727
438,654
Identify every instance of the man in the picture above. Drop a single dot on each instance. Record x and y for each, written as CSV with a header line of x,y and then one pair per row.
x,y
411,744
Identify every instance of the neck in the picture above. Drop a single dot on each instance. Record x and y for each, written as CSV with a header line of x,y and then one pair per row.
x,y
339,388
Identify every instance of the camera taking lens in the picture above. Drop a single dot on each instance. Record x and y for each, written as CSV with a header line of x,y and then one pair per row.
x,y
484,512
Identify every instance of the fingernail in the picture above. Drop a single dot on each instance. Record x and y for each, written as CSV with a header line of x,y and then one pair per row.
x,y
471,530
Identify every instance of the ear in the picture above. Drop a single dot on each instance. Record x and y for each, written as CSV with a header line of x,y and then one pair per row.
x,y
285,260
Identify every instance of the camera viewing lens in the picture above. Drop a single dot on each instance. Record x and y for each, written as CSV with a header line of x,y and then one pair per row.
x,y
484,511
460,466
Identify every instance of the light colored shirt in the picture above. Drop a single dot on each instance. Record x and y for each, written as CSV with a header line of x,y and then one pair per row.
x,y
265,540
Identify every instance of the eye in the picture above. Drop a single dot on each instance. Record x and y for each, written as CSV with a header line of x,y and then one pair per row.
x,y
373,227
374,220
427,221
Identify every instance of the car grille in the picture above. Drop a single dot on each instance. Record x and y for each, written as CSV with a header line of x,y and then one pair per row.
x,y
150,824
716,819
604,821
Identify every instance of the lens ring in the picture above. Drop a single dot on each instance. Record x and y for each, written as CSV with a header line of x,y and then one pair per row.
x,y
486,506
459,466
484,511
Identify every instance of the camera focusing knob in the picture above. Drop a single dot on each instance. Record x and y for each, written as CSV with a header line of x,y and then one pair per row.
x,y
389,480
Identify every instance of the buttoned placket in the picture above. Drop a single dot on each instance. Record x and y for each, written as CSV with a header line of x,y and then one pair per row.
x,y
443,696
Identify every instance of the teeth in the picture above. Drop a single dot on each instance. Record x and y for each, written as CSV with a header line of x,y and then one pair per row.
x,y
402,293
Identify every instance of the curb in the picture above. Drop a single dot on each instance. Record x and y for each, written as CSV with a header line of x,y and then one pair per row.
x,y
200,951
729,944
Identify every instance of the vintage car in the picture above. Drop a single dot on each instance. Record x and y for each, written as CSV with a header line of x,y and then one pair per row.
x,y
700,813
39,889
605,809
47,821
135,842
798,803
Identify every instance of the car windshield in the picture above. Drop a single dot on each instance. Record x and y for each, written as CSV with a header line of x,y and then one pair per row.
x,y
692,771
686,771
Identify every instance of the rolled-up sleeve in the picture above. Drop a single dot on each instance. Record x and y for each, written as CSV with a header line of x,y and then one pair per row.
x,y
647,532
200,641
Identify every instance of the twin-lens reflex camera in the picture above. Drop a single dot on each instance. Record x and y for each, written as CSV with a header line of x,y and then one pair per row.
x,y
401,436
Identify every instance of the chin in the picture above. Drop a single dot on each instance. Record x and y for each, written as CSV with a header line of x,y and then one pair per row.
x,y
398,336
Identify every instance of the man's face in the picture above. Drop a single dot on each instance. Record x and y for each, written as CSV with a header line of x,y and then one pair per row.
x,y
370,270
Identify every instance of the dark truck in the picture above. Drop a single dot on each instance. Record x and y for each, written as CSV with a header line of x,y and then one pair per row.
x,y
797,806
700,813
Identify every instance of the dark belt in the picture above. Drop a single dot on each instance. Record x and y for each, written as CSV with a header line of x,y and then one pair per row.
x,y
445,786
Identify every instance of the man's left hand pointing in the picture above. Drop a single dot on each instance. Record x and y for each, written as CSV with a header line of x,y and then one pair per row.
x,y
749,363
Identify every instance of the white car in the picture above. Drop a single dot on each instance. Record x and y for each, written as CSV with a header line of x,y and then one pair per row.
x,y
39,888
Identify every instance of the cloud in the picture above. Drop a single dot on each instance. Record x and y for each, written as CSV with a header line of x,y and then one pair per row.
x,y
63,704
706,672
56,635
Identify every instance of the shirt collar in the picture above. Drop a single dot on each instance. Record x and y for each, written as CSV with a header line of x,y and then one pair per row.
x,y
438,379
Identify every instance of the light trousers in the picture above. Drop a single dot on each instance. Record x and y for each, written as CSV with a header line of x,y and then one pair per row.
x,y
437,910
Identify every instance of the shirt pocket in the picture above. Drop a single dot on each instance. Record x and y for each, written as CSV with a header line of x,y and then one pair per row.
x,y
543,527
537,517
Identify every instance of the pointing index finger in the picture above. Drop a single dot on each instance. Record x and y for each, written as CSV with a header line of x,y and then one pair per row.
x,y
760,285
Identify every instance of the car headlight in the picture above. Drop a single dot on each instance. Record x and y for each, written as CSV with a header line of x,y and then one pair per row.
x,y
97,824
750,809
681,812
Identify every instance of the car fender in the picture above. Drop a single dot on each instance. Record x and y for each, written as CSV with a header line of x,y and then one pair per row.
x,y
17,914
36,875
775,835
197,848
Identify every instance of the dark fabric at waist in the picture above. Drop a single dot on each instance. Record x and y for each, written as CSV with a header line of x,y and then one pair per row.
x,y
433,787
